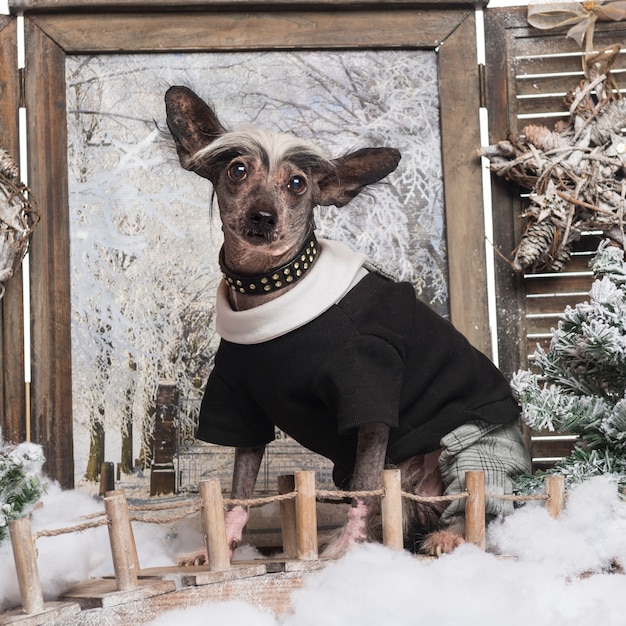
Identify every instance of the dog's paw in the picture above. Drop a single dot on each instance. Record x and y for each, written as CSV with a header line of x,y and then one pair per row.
x,y
442,542
340,544
194,558
354,532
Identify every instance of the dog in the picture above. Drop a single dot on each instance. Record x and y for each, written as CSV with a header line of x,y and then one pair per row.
x,y
320,344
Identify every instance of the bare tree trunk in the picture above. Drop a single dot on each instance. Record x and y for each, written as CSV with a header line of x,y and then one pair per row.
x,y
126,464
96,451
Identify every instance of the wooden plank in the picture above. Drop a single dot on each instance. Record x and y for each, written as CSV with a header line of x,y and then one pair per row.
x,y
271,592
542,448
551,303
543,323
31,6
552,283
50,278
531,344
12,392
505,202
237,572
52,613
539,65
552,82
134,32
531,41
103,593
465,233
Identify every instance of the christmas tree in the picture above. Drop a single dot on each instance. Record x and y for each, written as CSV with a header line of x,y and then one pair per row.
x,y
580,385
21,481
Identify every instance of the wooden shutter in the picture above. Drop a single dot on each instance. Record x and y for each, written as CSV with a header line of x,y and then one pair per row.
x,y
528,73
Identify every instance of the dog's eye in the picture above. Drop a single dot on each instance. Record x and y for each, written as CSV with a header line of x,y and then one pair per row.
x,y
297,185
237,171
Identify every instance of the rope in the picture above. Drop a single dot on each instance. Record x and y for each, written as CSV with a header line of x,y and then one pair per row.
x,y
69,529
163,506
166,520
449,498
340,495
252,502
320,494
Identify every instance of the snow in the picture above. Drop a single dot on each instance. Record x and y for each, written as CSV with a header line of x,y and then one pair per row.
x,y
554,571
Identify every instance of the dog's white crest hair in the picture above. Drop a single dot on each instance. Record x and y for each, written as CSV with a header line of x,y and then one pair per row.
x,y
271,147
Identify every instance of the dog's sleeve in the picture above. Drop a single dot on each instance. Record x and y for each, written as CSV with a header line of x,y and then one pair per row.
x,y
229,418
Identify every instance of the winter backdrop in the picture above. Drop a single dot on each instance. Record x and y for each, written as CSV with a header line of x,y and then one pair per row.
x,y
144,242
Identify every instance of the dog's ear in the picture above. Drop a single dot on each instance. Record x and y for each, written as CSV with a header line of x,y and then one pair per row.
x,y
355,171
193,124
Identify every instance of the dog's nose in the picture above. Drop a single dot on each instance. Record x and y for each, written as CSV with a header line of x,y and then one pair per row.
x,y
262,221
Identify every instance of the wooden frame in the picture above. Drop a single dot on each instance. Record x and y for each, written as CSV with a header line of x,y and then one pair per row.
x,y
12,393
203,26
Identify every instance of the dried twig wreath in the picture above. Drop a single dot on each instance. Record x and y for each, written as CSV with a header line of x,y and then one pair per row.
x,y
576,172
18,216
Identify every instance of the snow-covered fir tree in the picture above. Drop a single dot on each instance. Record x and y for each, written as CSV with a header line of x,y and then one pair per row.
x,y
21,481
580,382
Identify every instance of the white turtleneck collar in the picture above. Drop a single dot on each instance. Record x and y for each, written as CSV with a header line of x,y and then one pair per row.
x,y
336,271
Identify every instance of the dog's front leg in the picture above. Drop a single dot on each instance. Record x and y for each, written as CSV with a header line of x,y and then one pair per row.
x,y
245,472
370,462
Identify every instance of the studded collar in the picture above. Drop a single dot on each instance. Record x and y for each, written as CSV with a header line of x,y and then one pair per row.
x,y
336,270
278,278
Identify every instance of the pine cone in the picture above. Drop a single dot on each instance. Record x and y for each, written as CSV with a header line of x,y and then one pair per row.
x,y
561,258
543,138
535,243
8,166
611,120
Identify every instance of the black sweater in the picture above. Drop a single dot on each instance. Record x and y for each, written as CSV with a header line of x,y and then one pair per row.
x,y
379,355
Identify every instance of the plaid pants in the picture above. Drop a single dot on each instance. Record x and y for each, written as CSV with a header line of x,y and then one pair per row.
x,y
496,449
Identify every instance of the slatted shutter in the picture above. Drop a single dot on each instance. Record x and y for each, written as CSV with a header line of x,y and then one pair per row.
x,y
528,73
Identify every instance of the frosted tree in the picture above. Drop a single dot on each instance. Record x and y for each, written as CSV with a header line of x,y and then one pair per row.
x,y
581,387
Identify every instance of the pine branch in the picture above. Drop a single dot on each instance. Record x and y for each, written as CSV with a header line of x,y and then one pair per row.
x,y
581,386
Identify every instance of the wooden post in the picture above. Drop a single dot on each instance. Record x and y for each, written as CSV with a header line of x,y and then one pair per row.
x,y
26,566
391,507
287,484
163,474
126,514
306,516
475,509
107,478
122,542
213,524
555,489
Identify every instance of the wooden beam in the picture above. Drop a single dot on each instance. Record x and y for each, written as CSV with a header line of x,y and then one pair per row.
x,y
189,32
465,232
49,255
12,387
32,6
